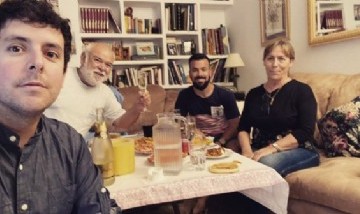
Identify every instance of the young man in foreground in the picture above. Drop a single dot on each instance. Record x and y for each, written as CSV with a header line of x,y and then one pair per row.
x,y
45,165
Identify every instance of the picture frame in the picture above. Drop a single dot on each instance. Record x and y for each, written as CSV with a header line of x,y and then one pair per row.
x,y
186,47
172,49
145,48
274,20
357,12
125,53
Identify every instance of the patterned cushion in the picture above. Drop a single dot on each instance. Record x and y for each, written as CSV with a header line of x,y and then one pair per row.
x,y
340,130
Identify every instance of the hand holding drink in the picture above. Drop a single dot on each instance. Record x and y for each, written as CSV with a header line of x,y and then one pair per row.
x,y
144,93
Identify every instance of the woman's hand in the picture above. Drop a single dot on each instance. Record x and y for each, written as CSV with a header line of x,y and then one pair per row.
x,y
263,152
248,154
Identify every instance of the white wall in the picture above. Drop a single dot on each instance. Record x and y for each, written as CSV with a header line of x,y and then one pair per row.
x,y
243,20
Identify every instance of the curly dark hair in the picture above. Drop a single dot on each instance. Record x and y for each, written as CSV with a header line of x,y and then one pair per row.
x,y
40,12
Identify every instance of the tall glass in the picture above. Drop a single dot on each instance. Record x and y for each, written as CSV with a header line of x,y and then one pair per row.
x,y
191,127
142,83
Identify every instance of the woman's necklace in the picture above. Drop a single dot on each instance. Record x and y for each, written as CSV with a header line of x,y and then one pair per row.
x,y
272,97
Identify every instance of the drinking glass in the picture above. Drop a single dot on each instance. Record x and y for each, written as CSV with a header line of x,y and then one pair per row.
x,y
198,156
142,84
191,127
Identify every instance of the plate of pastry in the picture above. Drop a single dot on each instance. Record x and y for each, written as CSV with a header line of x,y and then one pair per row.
x,y
225,167
218,152
144,146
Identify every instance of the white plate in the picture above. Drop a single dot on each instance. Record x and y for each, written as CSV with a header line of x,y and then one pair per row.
x,y
227,153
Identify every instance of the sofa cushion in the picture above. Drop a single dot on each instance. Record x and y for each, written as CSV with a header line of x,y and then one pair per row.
x,y
340,130
323,86
335,183
348,90
326,88
171,96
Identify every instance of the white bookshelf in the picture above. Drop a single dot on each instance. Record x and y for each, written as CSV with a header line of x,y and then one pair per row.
x,y
208,14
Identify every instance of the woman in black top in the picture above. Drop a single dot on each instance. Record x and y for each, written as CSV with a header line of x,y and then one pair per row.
x,y
282,113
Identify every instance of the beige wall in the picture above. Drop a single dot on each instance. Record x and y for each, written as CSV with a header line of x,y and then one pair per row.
x,y
243,20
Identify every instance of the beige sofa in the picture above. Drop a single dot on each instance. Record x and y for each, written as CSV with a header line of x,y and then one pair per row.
x,y
334,186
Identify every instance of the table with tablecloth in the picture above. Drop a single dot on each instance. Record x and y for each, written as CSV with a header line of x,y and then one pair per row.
x,y
257,181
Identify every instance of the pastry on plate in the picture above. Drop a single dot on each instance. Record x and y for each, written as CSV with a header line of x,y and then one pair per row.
x,y
225,167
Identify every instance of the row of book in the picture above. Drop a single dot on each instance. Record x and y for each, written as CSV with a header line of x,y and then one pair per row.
x,y
142,26
180,17
98,20
176,73
220,73
331,19
133,76
215,41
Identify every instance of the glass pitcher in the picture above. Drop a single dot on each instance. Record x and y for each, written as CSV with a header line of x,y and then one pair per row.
x,y
167,143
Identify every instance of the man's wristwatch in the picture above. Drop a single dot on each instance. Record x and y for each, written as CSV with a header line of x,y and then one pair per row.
x,y
222,141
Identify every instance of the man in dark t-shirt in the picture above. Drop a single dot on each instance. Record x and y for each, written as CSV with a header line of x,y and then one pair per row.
x,y
214,108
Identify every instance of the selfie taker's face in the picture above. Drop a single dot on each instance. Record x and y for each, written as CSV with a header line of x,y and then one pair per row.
x,y
31,67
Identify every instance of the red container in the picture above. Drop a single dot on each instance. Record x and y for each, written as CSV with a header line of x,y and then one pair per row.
x,y
185,146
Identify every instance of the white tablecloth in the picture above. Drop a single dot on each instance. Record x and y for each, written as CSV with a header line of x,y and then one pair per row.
x,y
255,180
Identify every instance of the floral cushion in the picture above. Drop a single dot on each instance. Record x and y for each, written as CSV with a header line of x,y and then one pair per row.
x,y
340,130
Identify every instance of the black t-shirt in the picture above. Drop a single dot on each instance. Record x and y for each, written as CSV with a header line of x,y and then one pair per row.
x,y
211,112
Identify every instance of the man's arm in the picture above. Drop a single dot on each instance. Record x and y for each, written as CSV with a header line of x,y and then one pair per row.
x,y
230,131
132,114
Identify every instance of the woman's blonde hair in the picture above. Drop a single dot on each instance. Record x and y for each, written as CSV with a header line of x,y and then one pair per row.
x,y
285,45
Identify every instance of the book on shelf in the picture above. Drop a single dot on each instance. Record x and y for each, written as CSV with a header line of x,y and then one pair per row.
x,y
158,76
138,25
175,74
219,74
215,40
180,16
98,20
331,19
131,76
213,66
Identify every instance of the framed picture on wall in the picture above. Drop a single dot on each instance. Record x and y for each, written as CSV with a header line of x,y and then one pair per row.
x,y
274,20
357,12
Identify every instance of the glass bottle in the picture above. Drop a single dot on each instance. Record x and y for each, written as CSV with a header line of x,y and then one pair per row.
x,y
102,151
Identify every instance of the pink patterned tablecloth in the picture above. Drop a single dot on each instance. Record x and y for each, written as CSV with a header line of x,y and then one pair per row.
x,y
255,180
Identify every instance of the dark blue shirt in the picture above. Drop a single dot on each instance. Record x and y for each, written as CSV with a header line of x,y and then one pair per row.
x,y
190,103
53,173
212,112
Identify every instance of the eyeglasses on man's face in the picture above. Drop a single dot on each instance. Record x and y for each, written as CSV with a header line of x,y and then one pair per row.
x,y
98,61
